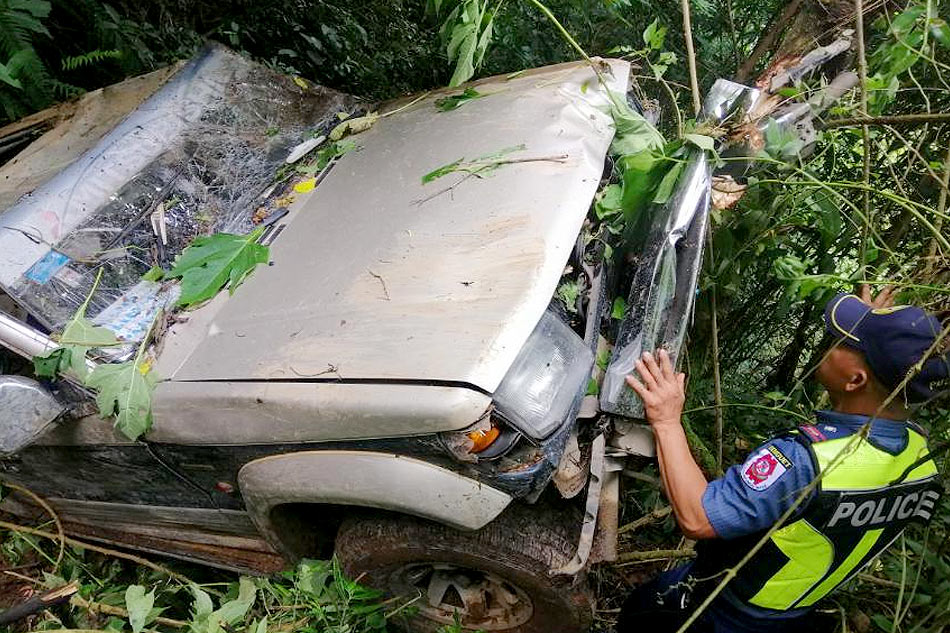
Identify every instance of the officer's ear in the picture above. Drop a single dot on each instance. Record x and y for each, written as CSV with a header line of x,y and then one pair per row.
x,y
858,380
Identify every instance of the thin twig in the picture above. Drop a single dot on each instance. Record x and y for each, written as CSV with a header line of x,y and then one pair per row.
x,y
476,168
654,555
883,582
98,607
104,550
865,132
894,119
646,519
60,534
938,223
691,57
714,327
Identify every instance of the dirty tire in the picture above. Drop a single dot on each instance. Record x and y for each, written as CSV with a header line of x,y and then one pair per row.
x,y
518,547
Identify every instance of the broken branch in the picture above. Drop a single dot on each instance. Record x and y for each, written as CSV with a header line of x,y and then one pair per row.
x,y
896,119
104,550
654,555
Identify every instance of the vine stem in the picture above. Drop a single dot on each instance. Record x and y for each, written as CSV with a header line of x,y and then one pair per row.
x,y
577,47
691,56
61,535
938,223
865,131
714,327
920,118
750,406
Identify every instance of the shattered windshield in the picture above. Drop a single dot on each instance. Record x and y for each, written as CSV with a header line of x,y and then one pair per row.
x,y
197,157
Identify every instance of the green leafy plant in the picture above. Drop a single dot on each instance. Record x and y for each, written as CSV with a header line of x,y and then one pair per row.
x,y
213,262
124,391
479,166
455,101
139,605
78,337
74,62
466,33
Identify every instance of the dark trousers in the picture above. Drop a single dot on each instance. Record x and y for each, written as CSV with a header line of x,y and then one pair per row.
x,y
663,605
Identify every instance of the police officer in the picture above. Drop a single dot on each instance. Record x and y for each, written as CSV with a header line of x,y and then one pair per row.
x,y
873,469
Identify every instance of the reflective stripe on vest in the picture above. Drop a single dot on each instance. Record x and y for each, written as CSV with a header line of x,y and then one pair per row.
x,y
855,515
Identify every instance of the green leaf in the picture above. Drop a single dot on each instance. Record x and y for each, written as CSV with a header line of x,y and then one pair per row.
x,y
654,35
593,388
79,336
233,611
444,170
940,32
49,365
212,262
609,202
470,25
568,293
640,175
633,134
453,102
138,604
665,189
883,622
619,308
124,390
202,605
703,142
312,576
155,273
353,126
260,627
603,359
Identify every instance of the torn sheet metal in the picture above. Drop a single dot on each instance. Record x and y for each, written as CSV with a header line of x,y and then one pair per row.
x,y
190,159
664,285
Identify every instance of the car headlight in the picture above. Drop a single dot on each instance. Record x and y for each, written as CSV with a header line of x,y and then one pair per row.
x,y
550,370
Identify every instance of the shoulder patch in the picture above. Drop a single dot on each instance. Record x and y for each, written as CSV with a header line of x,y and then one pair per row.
x,y
765,467
813,433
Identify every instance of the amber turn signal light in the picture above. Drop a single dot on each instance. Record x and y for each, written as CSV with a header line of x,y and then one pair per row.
x,y
483,438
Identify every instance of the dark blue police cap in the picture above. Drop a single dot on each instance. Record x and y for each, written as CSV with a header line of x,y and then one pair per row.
x,y
893,340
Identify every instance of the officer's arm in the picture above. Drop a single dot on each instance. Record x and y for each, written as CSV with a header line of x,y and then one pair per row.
x,y
663,394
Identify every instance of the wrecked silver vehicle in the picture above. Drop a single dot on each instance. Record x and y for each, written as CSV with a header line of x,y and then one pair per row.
x,y
403,379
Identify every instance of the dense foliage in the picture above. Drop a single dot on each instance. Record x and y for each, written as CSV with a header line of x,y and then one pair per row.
x,y
857,209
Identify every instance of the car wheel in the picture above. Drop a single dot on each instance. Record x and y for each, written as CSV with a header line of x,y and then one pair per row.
x,y
495,579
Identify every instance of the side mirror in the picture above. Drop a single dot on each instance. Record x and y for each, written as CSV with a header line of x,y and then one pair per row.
x,y
26,411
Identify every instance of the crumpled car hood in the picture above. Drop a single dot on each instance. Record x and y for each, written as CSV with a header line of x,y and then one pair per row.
x,y
377,276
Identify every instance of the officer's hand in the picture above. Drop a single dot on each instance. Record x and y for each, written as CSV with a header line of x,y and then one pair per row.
x,y
663,391
884,299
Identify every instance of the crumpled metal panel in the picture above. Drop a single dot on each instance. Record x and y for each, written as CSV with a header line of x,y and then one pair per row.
x,y
663,291
381,277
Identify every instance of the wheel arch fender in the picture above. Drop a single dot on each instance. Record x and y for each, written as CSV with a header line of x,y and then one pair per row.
x,y
365,479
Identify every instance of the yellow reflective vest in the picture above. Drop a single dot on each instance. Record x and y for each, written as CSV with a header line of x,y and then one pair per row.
x,y
865,498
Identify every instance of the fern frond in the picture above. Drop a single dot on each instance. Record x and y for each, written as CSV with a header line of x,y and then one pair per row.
x,y
88,59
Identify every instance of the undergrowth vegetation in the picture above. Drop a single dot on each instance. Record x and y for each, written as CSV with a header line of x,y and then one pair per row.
x,y
866,205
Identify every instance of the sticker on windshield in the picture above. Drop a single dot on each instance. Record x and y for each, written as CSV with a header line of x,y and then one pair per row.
x,y
43,270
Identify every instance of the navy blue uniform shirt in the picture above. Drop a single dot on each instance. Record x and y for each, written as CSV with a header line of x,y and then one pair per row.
x,y
752,496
